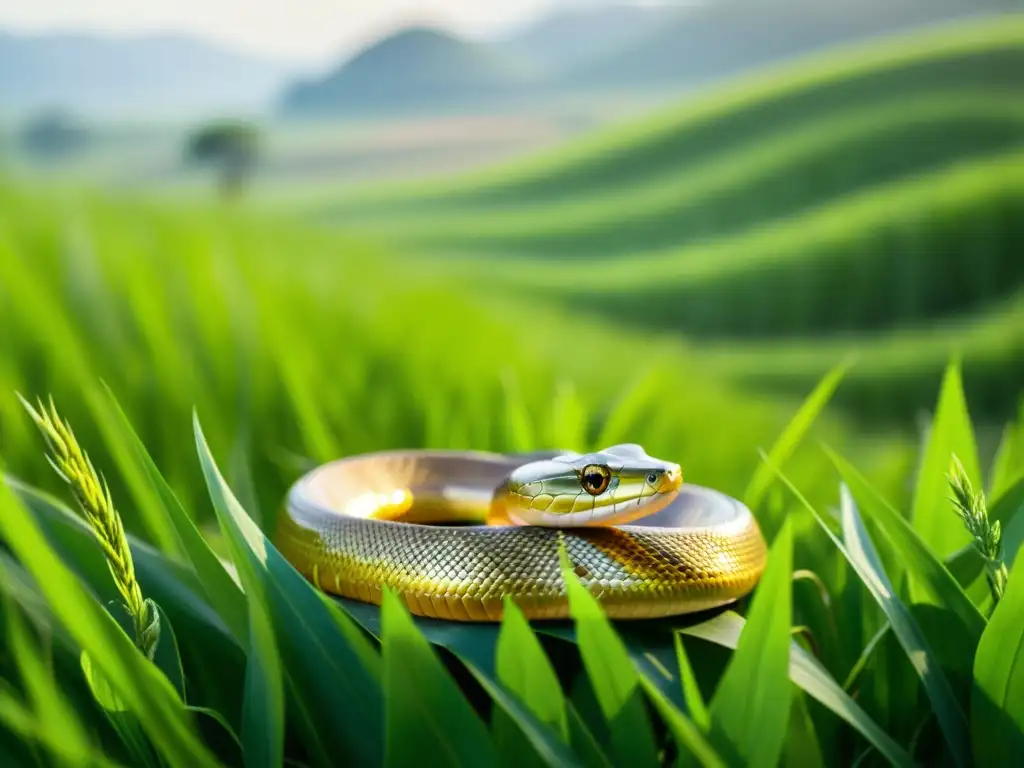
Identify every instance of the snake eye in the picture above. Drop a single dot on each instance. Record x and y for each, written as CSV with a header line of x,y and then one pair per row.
x,y
594,478
652,478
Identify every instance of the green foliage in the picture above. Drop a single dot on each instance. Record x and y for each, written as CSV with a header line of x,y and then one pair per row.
x,y
173,309
997,704
951,432
315,686
867,641
750,709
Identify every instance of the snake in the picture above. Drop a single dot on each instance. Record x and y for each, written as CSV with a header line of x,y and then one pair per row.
x,y
457,534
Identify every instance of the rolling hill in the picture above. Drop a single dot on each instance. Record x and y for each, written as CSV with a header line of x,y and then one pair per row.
x,y
848,202
416,69
114,77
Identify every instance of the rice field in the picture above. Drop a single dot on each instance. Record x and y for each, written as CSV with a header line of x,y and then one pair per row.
x,y
200,358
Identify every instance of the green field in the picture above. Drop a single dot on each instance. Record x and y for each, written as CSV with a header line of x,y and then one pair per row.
x,y
695,283
289,362
832,207
93,282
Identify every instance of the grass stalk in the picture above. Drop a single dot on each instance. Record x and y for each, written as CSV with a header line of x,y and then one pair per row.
x,y
971,507
92,493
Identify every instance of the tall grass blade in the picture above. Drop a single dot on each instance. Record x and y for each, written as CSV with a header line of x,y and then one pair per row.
x,y
154,516
520,434
567,423
750,708
263,709
47,700
216,584
263,712
611,672
545,746
921,562
691,741
802,748
428,719
1008,464
142,687
951,432
524,670
859,551
340,694
997,702
627,410
695,706
794,433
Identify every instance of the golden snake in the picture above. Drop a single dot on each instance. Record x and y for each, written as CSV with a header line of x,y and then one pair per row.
x,y
455,533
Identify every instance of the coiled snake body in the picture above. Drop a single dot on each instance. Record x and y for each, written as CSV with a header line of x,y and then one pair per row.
x,y
455,533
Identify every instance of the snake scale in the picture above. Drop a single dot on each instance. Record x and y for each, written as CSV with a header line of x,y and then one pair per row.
x,y
455,533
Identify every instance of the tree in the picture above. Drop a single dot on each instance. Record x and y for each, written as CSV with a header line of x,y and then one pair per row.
x,y
231,147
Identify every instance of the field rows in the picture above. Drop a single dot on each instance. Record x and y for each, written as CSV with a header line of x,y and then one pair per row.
x,y
969,58
841,204
847,153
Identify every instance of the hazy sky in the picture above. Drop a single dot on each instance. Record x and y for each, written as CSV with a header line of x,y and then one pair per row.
x,y
313,31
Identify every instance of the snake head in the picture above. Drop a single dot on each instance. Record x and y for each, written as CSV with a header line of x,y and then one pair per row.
x,y
607,487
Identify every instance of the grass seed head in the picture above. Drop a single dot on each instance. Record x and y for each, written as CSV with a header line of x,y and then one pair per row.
x,y
93,495
972,509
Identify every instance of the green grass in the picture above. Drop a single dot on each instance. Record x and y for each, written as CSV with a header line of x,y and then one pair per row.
x,y
298,345
206,357
858,646
896,372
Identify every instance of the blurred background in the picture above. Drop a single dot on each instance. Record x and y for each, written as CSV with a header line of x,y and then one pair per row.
x,y
346,226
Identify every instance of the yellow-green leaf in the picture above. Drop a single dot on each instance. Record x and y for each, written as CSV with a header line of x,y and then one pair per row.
x,y
794,432
750,707
615,680
140,685
997,703
428,720
951,432
921,562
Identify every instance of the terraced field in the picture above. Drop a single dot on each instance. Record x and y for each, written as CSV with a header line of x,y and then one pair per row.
x,y
844,203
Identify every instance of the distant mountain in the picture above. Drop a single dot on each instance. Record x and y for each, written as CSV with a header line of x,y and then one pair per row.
x,y
165,75
720,38
414,69
607,47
